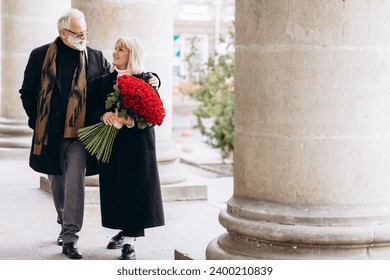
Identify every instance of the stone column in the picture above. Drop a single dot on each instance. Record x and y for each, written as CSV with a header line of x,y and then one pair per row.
x,y
312,141
151,22
24,25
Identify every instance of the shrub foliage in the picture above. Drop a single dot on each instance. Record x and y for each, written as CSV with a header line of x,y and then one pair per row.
x,y
213,88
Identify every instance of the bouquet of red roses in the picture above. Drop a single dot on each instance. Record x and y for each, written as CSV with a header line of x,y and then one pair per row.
x,y
132,97
136,99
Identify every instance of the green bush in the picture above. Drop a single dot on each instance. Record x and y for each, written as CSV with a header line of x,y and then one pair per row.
x,y
213,88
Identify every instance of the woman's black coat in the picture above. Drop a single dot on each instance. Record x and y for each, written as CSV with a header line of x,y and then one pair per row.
x,y
130,193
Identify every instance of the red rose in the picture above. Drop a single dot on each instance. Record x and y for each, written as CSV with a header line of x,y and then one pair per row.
x,y
141,99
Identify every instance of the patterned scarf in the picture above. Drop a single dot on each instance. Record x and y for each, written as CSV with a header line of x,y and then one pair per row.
x,y
75,113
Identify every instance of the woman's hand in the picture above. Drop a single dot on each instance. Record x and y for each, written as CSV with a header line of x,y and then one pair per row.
x,y
109,118
128,122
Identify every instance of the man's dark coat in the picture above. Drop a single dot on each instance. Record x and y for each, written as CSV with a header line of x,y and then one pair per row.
x,y
49,162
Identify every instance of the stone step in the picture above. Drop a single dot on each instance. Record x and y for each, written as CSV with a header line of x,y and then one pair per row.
x,y
12,153
15,142
14,128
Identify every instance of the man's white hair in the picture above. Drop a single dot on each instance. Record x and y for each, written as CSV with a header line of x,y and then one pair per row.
x,y
64,20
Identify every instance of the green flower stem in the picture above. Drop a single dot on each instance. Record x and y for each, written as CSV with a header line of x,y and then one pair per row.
x,y
98,140
111,140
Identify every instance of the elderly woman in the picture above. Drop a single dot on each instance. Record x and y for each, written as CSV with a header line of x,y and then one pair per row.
x,y
130,193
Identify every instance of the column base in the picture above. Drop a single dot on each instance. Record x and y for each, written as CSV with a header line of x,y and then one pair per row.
x,y
171,172
15,141
231,246
261,230
170,169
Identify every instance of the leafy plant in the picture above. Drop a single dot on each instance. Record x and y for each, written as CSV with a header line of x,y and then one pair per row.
x,y
213,88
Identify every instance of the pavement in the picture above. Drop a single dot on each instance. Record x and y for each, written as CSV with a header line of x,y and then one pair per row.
x,y
28,228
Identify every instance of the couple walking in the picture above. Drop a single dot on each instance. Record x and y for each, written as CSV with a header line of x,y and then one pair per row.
x,y
64,88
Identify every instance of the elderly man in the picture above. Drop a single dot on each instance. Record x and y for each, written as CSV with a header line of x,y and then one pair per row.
x,y
54,96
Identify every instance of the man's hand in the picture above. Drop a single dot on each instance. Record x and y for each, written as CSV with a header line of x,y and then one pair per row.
x,y
153,81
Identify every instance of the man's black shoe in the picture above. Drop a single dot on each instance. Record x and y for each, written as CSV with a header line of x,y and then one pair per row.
x,y
71,250
116,241
59,241
128,252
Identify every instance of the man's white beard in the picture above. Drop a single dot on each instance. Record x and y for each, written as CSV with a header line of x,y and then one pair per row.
x,y
77,43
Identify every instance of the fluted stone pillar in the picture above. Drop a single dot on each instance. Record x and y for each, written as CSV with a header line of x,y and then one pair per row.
x,y
151,22
312,139
24,25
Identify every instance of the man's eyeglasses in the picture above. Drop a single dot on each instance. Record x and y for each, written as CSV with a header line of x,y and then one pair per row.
x,y
79,35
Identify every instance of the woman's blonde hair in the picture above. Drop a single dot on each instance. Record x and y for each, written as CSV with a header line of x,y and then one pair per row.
x,y
135,64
